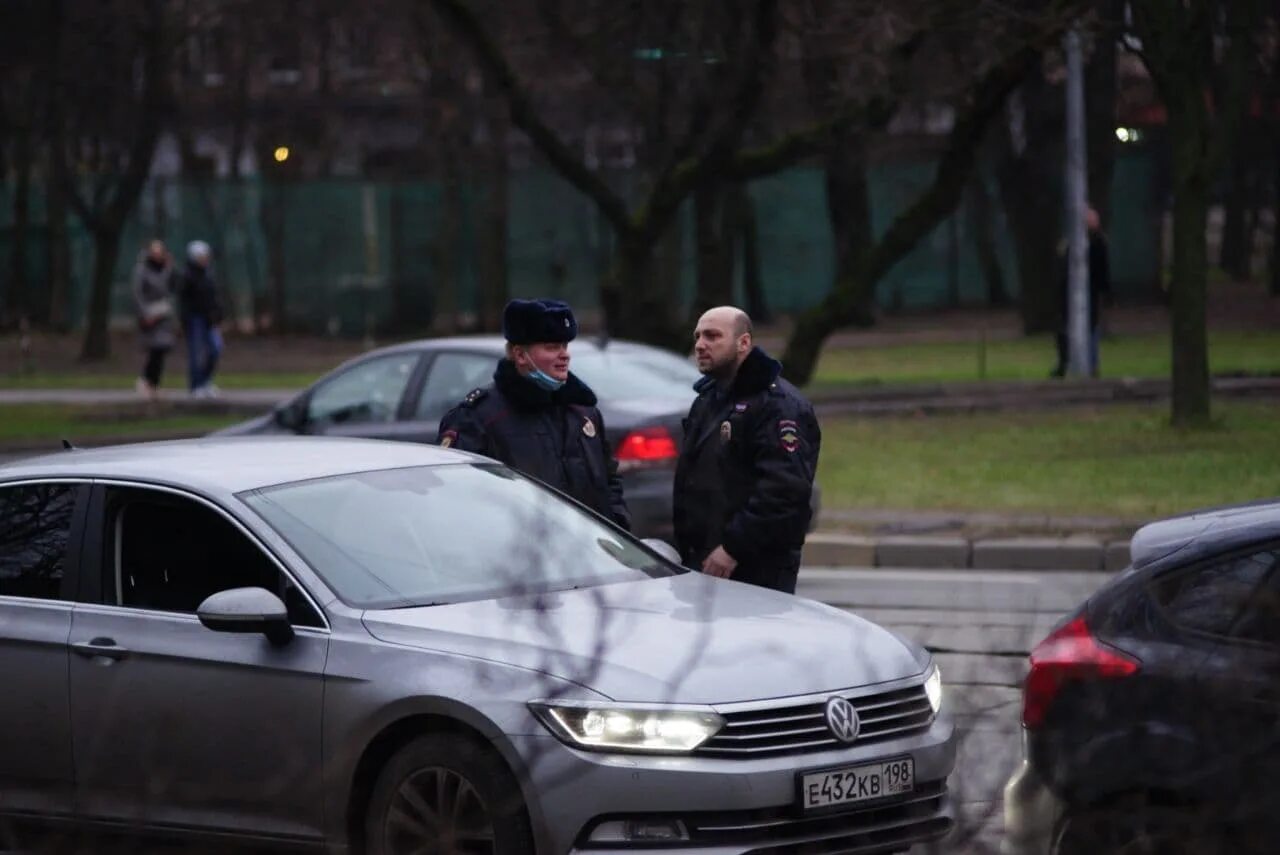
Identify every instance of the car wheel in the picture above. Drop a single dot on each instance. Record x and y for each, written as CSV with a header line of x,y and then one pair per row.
x,y
1135,828
447,795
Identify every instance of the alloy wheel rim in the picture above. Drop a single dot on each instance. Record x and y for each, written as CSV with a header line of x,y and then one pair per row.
x,y
436,811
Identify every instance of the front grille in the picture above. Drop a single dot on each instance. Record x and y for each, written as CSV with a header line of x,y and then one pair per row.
x,y
897,822
770,731
891,825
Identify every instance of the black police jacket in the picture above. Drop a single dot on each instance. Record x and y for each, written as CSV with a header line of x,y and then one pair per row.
x,y
557,437
745,474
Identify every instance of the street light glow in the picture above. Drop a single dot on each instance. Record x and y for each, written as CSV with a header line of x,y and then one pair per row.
x,y
282,154
1122,134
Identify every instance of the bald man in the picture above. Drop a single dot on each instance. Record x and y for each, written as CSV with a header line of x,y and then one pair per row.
x,y
745,474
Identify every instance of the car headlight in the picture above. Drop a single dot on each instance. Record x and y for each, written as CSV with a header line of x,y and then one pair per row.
x,y
608,727
933,688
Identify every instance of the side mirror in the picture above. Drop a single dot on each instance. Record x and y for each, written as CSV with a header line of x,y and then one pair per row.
x,y
255,610
291,416
663,548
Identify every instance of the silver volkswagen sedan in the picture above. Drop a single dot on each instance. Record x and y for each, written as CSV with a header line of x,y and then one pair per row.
x,y
386,648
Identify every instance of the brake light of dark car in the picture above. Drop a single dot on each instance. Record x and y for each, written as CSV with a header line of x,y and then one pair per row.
x,y
1071,653
646,448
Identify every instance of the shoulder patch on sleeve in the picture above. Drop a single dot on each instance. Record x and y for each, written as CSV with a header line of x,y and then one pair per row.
x,y
788,435
474,397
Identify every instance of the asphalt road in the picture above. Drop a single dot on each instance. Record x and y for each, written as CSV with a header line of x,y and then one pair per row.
x,y
981,625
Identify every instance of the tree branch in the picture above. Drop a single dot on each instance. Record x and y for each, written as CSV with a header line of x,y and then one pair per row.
x,y
675,183
524,116
953,169
806,142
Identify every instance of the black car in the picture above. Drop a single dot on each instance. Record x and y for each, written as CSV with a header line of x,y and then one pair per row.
x,y
401,392
1151,715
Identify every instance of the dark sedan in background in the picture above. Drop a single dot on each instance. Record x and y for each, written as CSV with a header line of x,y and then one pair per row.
x,y
1152,714
401,392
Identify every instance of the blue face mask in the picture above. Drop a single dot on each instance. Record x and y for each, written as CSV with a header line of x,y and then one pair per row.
x,y
544,380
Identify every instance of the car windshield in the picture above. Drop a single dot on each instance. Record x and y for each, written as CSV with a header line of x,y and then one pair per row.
x,y
615,374
441,534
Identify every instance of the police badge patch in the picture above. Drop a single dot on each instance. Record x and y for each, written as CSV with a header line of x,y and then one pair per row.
x,y
589,428
726,431
789,435
449,438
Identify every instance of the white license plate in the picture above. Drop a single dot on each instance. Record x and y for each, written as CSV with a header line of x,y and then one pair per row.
x,y
857,783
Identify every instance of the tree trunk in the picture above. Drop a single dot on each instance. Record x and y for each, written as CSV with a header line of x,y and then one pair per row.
x,y
271,216
714,248
1190,130
494,220
1275,223
1030,179
748,232
984,242
106,251
1233,257
848,193
59,248
17,302
635,306
448,249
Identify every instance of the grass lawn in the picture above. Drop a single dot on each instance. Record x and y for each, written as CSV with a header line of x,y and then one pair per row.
x,y
1120,461
110,380
55,421
1031,358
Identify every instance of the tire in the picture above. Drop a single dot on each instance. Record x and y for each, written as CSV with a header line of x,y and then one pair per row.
x,y
484,813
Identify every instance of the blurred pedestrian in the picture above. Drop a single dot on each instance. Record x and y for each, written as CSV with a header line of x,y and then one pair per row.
x,y
744,480
538,417
201,320
153,277
1099,290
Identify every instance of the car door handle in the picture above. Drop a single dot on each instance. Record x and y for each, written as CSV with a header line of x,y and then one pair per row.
x,y
105,647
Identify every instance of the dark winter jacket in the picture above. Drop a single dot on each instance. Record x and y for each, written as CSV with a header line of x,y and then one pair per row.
x,y
199,295
745,474
557,437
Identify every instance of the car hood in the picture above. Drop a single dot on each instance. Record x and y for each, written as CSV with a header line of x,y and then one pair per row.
x,y
682,639
257,424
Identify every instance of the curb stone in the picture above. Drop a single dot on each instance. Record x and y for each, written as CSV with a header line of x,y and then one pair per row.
x,y
930,552
1038,553
1076,553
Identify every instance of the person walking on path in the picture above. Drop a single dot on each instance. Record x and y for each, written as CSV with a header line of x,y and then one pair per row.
x,y
201,320
539,418
153,277
744,479
1099,289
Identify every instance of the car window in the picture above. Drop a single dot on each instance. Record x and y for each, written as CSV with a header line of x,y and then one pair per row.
x,y
451,377
169,554
614,375
426,535
368,392
35,532
1236,598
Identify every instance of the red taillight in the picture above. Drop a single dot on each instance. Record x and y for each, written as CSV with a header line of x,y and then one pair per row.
x,y
1071,653
649,446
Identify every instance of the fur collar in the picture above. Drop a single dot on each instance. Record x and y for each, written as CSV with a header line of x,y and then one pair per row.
x,y
757,373
527,395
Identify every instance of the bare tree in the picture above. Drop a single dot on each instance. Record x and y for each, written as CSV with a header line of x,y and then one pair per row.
x,y
1192,49
114,66
966,37
704,74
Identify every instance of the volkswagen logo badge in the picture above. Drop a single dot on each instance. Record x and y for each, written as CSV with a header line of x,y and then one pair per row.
x,y
842,719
